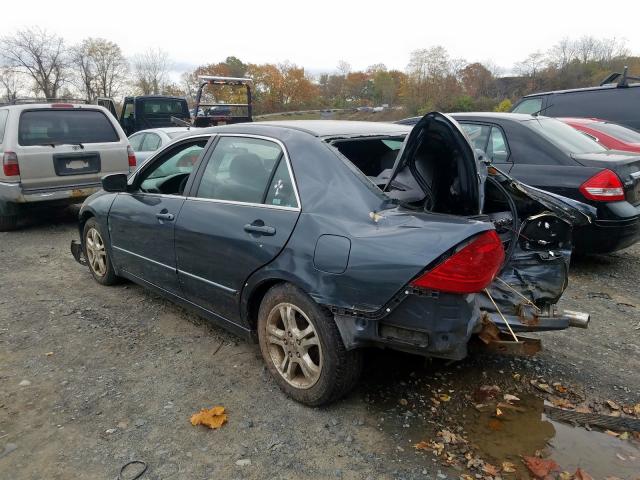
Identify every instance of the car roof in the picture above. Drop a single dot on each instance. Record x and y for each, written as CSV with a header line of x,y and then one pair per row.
x,y
334,128
516,117
583,89
165,130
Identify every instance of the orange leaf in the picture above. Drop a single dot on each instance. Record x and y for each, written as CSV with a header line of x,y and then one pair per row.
x,y
422,446
212,418
490,469
541,467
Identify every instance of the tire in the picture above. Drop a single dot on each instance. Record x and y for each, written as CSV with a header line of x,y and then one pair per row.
x,y
309,339
95,251
8,223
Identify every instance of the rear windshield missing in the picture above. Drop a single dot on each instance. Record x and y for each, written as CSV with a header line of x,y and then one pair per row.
x,y
54,127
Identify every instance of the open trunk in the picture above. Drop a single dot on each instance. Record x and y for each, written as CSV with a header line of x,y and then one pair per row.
x,y
436,170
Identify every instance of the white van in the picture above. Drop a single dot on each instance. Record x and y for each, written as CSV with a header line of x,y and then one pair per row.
x,y
55,154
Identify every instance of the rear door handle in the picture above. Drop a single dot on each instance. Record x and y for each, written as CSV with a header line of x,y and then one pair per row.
x,y
261,229
165,216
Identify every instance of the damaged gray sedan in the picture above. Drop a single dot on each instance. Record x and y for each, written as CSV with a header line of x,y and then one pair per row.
x,y
320,238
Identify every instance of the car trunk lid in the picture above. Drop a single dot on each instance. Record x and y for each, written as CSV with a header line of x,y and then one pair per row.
x,y
624,164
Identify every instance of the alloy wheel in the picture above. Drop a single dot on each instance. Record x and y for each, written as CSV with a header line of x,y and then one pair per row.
x,y
96,253
294,345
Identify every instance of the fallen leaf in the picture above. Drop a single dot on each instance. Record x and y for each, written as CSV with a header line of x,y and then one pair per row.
x,y
612,433
422,446
403,402
565,476
516,376
582,475
508,406
508,467
583,409
621,457
541,467
624,436
490,469
495,424
450,437
443,397
486,392
498,412
636,409
616,413
511,398
212,418
613,405
465,476
562,403
48,354
543,387
559,387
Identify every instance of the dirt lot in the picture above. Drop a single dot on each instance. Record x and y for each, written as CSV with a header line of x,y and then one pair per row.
x,y
92,377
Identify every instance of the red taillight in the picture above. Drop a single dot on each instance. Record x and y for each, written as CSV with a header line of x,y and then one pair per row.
x,y
603,187
469,270
61,105
10,166
132,157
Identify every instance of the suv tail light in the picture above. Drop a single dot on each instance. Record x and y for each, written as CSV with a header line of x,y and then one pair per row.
x,y
471,269
604,186
132,157
10,166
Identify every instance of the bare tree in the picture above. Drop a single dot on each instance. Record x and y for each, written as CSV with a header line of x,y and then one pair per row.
x,y
11,82
562,53
151,70
84,76
39,54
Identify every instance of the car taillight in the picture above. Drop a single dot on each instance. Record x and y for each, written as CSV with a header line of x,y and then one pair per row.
x,y
471,269
604,186
132,157
10,166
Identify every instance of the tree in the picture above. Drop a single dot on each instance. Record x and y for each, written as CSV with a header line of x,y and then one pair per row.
x,y
477,80
99,66
11,81
40,55
151,71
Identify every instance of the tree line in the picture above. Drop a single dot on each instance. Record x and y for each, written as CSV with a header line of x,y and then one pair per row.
x,y
35,62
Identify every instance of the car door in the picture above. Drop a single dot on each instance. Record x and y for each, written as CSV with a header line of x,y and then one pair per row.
x,y
240,212
141,222
491,140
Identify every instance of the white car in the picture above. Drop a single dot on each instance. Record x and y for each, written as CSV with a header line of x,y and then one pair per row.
x,y
145,142
55,154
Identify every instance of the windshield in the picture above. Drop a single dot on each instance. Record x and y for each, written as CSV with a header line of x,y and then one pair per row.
x,y
54,127
563,136
617,131
162,106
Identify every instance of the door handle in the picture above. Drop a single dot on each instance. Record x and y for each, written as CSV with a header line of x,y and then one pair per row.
x,y
261,229
165,216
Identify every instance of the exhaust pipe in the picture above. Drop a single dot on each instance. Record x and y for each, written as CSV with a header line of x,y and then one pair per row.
x,y
577,319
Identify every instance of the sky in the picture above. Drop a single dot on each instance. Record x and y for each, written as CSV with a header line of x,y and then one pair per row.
x,y
316,35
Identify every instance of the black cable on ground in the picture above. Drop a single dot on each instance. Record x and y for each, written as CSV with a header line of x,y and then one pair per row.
x,y
133,462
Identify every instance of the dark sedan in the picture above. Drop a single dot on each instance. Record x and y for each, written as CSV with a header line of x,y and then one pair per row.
x,y
548,154
320,238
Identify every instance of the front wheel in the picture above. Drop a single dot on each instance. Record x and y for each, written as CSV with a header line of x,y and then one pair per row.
x,y
302,348
97,255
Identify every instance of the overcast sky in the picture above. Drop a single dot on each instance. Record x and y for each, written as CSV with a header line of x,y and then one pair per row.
x,y
318,34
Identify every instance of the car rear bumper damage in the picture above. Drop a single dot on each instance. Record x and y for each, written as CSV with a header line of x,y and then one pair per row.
x,y
17,194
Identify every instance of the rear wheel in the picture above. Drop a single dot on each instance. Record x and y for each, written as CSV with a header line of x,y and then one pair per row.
x,y
8,222
97,255
302,348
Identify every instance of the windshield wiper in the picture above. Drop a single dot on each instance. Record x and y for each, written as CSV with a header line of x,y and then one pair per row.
x,y
53,145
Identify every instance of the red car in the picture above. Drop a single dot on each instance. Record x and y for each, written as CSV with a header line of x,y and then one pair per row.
x,y
610,135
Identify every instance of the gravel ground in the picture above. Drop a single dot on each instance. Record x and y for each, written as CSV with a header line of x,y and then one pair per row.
x,y
92,377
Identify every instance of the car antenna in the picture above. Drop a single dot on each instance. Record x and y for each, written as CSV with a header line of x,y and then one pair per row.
x,y
535,114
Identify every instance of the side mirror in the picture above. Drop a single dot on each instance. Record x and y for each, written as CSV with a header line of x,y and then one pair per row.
x,y
115,182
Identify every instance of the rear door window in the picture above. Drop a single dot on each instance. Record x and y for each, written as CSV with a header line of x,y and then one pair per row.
x,y
498,150
530,105
57,127
240,170
478,134
136,141
3,123
150,143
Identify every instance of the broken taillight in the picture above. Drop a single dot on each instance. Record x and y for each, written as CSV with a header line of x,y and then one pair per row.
x,y
471,269
132,157
604,186
10,166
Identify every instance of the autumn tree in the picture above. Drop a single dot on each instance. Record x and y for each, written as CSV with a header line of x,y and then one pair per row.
x,y
40,55
99,68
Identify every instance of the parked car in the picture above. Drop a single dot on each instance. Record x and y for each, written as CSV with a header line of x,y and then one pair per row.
x,y
148,111
145,142
615,100
608,134
54,154
310,236
548,154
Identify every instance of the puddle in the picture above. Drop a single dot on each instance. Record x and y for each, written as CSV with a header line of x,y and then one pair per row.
x,y
517,433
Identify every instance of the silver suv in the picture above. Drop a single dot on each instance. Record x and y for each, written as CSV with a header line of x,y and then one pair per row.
x,y
55,154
